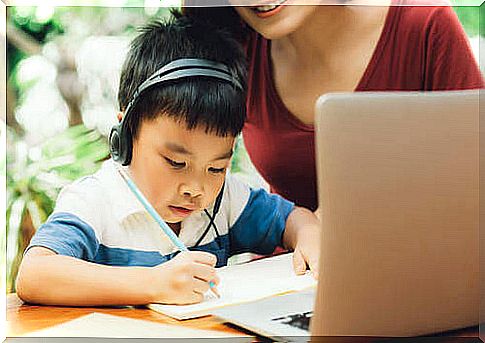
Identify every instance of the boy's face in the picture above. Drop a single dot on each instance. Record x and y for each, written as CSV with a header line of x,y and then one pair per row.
x,y
180,171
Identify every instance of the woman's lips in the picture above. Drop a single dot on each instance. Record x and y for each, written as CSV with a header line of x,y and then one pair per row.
x,y
265,11
181,211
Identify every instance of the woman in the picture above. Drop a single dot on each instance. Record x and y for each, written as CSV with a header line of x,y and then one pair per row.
x,y
296,53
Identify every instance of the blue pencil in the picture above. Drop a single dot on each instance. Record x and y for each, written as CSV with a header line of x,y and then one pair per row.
x,y
168,231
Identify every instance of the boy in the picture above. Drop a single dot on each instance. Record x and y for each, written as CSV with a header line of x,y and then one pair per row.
x,y
100,247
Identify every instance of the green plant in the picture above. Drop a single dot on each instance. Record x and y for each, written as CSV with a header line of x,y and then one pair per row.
x,y
469,18
35,176
468,12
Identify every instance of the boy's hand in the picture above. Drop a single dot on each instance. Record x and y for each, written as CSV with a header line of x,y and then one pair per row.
x,y
302,234
185,278
307,251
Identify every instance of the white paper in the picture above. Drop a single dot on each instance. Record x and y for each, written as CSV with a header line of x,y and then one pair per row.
x,y
243,283
104,325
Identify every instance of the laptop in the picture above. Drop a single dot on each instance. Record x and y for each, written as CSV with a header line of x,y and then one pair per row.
x,y
398,186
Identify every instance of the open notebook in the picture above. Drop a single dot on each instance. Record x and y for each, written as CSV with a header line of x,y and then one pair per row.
x,y
243,283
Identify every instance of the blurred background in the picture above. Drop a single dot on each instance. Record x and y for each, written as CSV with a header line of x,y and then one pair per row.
x,y
62,77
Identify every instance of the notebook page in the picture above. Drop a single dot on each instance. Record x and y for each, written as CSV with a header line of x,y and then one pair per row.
x,y
245,282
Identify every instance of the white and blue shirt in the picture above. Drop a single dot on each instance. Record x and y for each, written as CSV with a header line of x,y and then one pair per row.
x,y
98,219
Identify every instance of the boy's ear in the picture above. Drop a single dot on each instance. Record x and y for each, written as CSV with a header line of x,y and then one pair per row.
x,y
119,115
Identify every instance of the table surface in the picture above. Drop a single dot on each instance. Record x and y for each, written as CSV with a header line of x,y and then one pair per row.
x,y
23,319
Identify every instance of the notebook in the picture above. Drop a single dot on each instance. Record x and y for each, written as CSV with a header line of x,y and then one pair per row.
x,y
244,283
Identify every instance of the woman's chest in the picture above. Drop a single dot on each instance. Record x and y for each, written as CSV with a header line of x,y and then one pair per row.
x,y
340,65
299,87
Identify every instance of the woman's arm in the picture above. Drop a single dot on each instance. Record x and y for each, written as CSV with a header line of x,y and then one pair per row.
x,y
450,63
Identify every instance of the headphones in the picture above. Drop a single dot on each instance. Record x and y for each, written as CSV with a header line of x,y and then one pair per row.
x,y
120,137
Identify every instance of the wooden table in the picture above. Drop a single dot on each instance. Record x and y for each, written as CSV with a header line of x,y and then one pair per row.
x,y
23,319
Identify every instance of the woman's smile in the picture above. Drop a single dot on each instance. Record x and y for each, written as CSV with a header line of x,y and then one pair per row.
x,y
265,11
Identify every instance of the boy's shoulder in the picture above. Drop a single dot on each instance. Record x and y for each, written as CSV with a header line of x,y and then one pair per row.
x,y
90,187
90,196
235,197
239,196
244,201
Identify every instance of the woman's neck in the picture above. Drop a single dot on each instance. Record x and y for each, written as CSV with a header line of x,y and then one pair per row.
x,y
328,30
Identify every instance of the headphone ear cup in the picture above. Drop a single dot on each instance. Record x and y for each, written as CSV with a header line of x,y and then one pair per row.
x,y
125,146
115,143
120,144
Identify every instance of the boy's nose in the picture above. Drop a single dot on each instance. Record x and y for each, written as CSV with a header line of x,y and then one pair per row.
x,y
192,190
192,194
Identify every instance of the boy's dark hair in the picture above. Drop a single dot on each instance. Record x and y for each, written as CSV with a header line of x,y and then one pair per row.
x,y
218,106
223,16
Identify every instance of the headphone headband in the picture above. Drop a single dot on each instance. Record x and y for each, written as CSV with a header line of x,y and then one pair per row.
x,y
187,63
120,137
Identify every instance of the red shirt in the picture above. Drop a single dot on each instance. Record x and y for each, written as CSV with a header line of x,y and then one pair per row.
x,y
420,48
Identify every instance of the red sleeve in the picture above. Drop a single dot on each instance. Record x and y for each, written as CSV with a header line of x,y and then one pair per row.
x,y
450,62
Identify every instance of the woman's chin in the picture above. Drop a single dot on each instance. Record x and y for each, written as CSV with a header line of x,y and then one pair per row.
x,y
278,30
284,22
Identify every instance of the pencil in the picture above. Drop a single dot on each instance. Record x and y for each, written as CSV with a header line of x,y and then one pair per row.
x,y
154,214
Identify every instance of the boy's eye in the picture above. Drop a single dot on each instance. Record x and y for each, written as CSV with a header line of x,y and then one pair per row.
x,y
217,170
175,164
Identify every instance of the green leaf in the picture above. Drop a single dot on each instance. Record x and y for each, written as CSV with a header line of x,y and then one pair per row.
x,y
33,185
